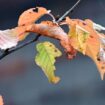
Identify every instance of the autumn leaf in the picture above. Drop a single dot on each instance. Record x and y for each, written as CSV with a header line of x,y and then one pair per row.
x,y
98,27
32,15
78,37
82,36
1,100
47,52
8,39
85,39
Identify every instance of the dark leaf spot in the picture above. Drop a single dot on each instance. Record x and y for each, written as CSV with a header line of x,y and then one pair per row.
x,y
23,24
91,36
102,67
98,59
84,23
35,10
50,45
55,50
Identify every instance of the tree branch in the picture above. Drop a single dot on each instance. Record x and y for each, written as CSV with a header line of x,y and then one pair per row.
x,y
9,51
69,11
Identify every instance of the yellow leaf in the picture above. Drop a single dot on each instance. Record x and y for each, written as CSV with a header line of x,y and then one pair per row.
x,y
82,36
78,38
45,58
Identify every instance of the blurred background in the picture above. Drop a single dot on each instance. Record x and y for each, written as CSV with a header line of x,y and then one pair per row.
x,y
22,82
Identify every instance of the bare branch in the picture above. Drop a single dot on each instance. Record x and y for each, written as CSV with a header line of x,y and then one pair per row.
x,y
69,11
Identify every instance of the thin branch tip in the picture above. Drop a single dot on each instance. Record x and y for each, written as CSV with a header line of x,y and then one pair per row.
x,y
69,11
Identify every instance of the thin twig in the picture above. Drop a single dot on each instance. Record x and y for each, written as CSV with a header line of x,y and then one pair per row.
x,y
69,11
9,51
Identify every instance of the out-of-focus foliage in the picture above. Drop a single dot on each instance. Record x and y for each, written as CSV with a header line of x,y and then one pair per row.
x,y
1,100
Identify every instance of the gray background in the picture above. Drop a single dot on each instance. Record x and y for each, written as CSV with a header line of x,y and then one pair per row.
x,y
23,83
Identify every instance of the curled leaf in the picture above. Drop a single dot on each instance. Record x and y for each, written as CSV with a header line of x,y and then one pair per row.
x,y
45,58
78,37
88,41
53,30
32,15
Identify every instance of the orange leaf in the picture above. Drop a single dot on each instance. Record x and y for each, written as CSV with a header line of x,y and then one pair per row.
x,y
93,44
1,100
32,15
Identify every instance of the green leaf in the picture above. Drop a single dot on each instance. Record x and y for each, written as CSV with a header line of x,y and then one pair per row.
x,y
47,52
